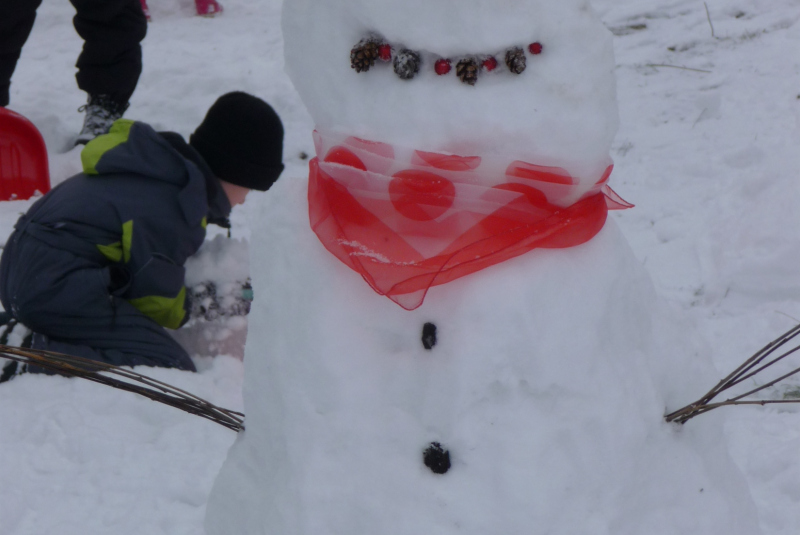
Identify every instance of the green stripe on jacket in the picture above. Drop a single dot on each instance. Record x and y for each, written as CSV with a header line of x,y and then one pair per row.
x,y
96,148
112,251
166,311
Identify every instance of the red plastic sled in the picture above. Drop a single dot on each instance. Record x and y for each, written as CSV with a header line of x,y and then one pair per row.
x,y
23,158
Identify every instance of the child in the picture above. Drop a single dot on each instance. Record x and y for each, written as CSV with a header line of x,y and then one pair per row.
x,y
95,268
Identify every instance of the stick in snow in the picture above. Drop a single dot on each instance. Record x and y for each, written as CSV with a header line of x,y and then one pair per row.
x,y
99,372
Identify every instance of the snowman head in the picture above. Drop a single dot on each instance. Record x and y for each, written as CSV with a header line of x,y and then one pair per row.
x,y
560,110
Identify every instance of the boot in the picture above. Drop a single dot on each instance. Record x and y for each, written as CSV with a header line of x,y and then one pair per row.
x,y
101,112
11,368
208,8
145,9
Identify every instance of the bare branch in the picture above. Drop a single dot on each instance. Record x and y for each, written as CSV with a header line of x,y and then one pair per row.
x,y
155,390
748,370
675,67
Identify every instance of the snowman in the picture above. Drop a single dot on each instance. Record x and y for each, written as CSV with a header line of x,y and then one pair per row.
x,y
453,337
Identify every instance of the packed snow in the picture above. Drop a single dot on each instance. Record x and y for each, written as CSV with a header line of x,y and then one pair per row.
x,y
709,126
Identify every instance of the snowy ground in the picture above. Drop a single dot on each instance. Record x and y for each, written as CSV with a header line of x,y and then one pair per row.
x,y
707,150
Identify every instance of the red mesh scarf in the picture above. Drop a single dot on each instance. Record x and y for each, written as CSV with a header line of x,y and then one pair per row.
x,y
407,220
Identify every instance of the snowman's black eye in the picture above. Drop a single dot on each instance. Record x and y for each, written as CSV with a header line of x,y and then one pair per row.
x,y
428,336
436,458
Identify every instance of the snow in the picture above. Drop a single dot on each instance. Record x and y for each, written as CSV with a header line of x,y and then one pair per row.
x,y
709,158
84,458
224,262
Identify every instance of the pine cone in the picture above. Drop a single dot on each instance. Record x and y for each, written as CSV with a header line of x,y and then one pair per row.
x,y
467,71
406,64
364,54
515,59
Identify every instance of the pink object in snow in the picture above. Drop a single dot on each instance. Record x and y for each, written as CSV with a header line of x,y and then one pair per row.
x,y
23,158
145,9
207,8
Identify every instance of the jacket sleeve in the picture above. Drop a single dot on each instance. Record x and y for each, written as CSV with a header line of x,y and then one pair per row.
x,y
157,286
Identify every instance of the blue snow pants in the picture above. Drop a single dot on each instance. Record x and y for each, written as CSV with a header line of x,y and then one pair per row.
x,y
64,297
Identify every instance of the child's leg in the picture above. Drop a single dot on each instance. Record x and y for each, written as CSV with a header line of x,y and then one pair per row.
x,y
110,331
145,344
111,60
65,300
16,22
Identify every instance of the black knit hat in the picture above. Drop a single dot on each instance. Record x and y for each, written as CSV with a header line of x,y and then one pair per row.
x,y
241,140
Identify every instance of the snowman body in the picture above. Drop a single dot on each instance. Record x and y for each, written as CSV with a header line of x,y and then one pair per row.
x,y
551,371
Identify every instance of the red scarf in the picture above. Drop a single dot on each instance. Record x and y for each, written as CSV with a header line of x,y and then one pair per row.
x,y
408,220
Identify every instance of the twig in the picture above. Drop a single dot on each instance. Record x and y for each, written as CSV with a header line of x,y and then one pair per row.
x,y
749,369
675,67
699,117
706,408
155,390
708,16
788,316
749,375
752,362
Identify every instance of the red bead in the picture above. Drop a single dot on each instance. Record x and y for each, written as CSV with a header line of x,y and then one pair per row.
x,y
442,66
490,64
385,52
535,48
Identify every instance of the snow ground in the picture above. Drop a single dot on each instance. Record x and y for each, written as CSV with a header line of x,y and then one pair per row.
x,y
708,155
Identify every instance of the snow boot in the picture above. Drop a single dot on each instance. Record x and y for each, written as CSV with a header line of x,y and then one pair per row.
x,y
145,9
208,8
101,112
11,370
